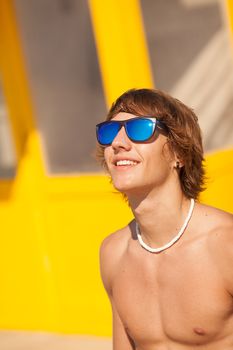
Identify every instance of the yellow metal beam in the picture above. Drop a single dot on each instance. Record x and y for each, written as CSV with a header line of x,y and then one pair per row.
x,y
228,10
13,76
229,6
121,46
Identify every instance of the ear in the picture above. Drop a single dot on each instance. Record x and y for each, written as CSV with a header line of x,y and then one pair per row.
x,y
178,163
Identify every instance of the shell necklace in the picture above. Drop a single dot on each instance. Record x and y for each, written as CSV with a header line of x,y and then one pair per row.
x,y
169,244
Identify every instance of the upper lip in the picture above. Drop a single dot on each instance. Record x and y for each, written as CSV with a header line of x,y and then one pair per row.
x,y
117,159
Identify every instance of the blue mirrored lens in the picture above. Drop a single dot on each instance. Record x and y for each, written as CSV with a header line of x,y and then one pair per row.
x,y
140,129
107,132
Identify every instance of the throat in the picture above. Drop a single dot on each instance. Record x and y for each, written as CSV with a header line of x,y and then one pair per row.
x,y
173,240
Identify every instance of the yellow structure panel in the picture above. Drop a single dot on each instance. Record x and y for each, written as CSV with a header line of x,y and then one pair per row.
x,y
219,192
229,11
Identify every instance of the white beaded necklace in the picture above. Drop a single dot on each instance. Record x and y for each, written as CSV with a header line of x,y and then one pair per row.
x,y
169,244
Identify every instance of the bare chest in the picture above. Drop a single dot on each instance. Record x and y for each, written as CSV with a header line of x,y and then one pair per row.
x,y
178,298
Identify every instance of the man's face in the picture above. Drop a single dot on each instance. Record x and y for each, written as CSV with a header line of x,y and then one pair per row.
x,y
138,167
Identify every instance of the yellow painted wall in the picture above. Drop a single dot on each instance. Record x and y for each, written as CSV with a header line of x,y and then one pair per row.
x,y
51,228
219,192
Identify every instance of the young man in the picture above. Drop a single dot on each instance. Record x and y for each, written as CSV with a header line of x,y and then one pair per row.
x,y
169,273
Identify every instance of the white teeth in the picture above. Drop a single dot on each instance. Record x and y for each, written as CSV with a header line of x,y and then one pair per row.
x,y
125,162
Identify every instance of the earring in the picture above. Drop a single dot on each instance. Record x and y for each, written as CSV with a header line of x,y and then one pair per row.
x,y
177,165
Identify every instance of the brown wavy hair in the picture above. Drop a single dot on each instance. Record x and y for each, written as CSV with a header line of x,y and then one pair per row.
x,y
184,134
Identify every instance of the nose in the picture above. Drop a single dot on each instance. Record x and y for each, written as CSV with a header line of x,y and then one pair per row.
x,y
121,140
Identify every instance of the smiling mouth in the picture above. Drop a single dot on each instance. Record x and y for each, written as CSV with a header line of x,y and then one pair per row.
x,y
125,163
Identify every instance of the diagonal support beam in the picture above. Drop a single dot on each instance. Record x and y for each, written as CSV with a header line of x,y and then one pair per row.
x,y
121,46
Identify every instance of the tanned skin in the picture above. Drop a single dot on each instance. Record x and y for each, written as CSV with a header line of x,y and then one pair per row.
x,y
180,298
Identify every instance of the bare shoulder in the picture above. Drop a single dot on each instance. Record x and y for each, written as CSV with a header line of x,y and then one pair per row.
x,y
221,232
220,242
115,243
214,219
112,251
217,227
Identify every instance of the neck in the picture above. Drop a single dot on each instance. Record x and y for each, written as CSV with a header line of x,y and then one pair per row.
x,y
159,214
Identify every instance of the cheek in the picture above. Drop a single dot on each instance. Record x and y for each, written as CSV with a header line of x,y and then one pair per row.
x,y
159,163
105,154
106,157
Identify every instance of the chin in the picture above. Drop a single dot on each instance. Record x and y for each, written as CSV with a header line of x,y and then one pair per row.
x,y
126,187
121,187
121,184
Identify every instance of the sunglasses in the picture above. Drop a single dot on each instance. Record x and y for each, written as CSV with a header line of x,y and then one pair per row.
x,y
137,129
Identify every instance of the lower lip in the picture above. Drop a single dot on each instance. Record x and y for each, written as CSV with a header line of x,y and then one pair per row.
x,y
124,167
